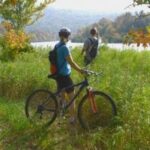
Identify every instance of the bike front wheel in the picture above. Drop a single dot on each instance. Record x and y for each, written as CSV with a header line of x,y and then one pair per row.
x,y
41,107
96,112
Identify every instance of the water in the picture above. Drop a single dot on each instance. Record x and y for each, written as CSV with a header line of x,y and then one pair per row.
x,y
118,46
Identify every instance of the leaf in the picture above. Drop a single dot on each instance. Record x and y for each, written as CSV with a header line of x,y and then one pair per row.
x,y
139,37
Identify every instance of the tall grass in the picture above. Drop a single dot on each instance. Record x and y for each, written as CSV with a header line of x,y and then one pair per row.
x,y
27,73
125,76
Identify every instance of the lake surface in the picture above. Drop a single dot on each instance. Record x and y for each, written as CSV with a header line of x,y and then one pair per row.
x,y
118,46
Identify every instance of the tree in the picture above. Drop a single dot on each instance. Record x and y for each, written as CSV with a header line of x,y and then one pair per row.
x,y
13,42
115,31
141,2
139,36
16,15
21,13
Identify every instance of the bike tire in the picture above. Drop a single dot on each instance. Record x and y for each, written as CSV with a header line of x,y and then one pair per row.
x,y
41,107
106,110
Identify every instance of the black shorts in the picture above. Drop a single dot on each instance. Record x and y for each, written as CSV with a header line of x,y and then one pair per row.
x,y
64,82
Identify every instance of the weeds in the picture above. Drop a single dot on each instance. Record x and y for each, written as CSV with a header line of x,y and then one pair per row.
x,y
126,77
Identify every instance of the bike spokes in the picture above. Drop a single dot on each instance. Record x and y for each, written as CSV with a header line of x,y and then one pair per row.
x,y
98,111
41,107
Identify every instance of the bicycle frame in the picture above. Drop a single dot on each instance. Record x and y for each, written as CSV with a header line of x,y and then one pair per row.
x,y
82,85
87,105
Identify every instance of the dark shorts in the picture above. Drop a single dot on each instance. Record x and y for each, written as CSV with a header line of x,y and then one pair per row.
x,y
64,82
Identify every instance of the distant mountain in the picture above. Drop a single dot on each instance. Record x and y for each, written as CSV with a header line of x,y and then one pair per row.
x,y
47,27
114,31
112,27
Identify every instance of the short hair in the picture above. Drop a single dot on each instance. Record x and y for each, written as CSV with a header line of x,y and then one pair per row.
x,y
64,32
93,31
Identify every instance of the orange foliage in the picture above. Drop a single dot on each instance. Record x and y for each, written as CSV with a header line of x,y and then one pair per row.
x,y
15,40
7,25
139,36
13,2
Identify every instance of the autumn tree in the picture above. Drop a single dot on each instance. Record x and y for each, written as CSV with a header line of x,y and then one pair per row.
x,y
140,35
16,15
21,13
141,2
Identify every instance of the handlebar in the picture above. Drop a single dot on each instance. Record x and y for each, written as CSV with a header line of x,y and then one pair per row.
x,y
86,73
89,72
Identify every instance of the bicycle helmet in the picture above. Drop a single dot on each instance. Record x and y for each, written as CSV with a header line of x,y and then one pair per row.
x,y
64,32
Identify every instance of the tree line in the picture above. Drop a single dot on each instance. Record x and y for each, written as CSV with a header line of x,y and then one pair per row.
x,y
16,15
114,31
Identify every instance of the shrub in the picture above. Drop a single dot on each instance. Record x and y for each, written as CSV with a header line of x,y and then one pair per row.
x,y
13,42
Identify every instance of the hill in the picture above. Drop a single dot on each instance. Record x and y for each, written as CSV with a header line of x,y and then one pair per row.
x,y
113,31
47,27
112,27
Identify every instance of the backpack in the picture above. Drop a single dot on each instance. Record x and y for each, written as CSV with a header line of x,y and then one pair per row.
x,y
53,60
94,47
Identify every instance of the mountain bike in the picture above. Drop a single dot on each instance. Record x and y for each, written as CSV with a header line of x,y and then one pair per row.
x,y
95,109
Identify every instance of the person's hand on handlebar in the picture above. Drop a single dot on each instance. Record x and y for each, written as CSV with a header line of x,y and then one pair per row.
x,y
84,72
90,72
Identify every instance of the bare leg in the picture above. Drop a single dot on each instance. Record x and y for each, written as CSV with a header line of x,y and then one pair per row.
x,y
67,97
72,119
72,107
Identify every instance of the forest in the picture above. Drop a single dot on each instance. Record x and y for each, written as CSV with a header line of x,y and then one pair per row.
x,y
110,30
114,31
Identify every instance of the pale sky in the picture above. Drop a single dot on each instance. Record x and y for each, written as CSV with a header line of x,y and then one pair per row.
x,y
98,5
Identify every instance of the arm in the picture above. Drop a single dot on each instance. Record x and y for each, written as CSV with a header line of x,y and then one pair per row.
x,y
85,46
73,64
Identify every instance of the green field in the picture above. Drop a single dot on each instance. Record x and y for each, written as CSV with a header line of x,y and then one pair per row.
x,y
126,77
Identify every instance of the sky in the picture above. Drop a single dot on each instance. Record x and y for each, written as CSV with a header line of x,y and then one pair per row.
x,y
107,6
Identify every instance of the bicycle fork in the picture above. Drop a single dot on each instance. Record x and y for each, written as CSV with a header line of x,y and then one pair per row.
x,y
91,99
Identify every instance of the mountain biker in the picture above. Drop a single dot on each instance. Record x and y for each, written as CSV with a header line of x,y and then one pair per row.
x,y
65,62
90,47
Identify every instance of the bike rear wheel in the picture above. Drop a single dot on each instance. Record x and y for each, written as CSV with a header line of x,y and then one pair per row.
x,y
41,107
102,116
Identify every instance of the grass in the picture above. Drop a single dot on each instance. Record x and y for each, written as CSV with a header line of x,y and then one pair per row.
x,y
126,77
